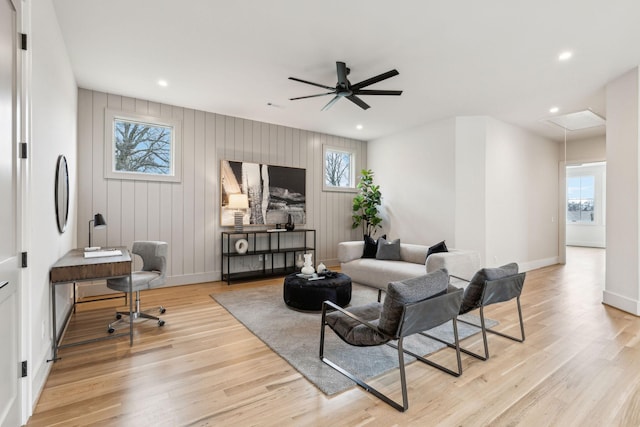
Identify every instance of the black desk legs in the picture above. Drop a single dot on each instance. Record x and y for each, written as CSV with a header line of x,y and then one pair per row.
x,y
130,309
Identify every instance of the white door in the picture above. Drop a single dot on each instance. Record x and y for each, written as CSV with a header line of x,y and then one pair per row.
x,y
10,393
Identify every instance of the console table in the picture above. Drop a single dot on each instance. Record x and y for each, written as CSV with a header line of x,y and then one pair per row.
x,y
74,267
280,246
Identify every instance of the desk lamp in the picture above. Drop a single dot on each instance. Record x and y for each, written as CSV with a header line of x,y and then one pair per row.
x,y
98,222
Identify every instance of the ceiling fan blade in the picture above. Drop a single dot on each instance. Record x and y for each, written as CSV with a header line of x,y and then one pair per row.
x,y
359,102
312,96
311,83
376,92
375,79
342,74
333,101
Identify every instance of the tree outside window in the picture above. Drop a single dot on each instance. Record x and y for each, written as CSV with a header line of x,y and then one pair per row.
x,y
142,147
339,166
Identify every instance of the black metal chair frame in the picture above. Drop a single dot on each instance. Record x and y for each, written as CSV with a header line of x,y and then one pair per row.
x,y
495,291
416,317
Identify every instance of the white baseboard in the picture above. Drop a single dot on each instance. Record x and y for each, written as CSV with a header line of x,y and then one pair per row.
x,y
40,375
190,279
621,302
586,244
539,263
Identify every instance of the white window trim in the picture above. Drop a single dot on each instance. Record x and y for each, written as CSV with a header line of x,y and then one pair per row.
x,y
352,188
176,147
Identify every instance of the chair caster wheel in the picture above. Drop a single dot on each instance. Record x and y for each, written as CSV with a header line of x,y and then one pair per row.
x,y
162,310
111,330
160,322
118,316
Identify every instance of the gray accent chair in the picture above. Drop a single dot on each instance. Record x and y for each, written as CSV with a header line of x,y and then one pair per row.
x,y
492,286
153,274
410,307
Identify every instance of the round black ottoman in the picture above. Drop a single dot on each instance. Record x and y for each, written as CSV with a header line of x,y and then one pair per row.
x,y
308,295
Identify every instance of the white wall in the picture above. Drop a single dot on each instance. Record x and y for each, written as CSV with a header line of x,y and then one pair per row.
x,y
476,182
471,183
187,214
416,173
53,132
522,197
587,150
622,283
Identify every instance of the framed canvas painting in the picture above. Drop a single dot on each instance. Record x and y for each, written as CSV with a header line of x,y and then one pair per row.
x,y
274,193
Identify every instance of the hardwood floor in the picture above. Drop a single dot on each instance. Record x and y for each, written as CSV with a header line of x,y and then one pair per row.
x,y
579,366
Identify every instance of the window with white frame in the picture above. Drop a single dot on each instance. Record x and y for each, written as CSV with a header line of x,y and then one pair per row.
x,y
586,195
142,147
339,169
580,199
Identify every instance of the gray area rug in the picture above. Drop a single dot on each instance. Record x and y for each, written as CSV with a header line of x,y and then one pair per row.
x,y
295,336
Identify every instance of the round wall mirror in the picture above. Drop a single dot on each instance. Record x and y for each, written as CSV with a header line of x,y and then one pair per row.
x,y
62,193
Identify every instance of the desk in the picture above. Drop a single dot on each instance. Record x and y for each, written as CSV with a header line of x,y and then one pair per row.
x,y
74,267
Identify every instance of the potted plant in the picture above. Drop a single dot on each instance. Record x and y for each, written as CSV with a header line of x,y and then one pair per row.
x,y
366,203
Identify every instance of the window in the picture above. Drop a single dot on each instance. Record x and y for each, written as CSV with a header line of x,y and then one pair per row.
x,y
142,147
339,169
580,199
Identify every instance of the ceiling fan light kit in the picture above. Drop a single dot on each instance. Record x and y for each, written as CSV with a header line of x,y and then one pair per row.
x,y
344,88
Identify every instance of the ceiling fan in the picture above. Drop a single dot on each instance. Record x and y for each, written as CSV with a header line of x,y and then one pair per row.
x,y
344,89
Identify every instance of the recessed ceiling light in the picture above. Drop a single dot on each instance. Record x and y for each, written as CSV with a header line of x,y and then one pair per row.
x,y
359,127
554,109
565,55
163,83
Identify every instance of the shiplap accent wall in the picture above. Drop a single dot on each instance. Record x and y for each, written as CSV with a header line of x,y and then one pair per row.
x,y
187,214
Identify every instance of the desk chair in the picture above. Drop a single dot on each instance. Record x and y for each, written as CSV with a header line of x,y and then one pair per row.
x,y
153,273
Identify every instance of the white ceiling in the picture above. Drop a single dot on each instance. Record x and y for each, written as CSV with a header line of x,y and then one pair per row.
x,y
490,57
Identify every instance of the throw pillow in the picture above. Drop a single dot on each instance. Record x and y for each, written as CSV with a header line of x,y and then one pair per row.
x,y
371,246
409,291
388,250
473,293
438,247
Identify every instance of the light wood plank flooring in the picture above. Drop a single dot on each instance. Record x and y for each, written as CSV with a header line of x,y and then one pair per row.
x,y
580,366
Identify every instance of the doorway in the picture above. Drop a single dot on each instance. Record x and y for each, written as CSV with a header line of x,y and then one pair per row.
x,y
586,205
10,194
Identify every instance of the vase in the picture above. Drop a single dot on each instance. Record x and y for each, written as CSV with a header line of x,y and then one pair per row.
x,y
241,246
289,226
321,267
308,265
299,262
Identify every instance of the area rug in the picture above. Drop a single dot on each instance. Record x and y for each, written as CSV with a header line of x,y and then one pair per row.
x,y
295,336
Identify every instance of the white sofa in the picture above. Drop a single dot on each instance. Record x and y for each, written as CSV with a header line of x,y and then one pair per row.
x,y
378,273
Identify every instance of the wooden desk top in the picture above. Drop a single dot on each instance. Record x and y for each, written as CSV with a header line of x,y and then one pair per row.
x,y
74,267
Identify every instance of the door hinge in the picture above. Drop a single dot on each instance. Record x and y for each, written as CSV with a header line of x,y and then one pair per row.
x,y
24,368
23,41
24,259
23,150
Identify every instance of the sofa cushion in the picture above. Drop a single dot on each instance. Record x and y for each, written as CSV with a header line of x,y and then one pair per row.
x,y
438,247
379,273
409,291
413,253
388,250
371,246
473,293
